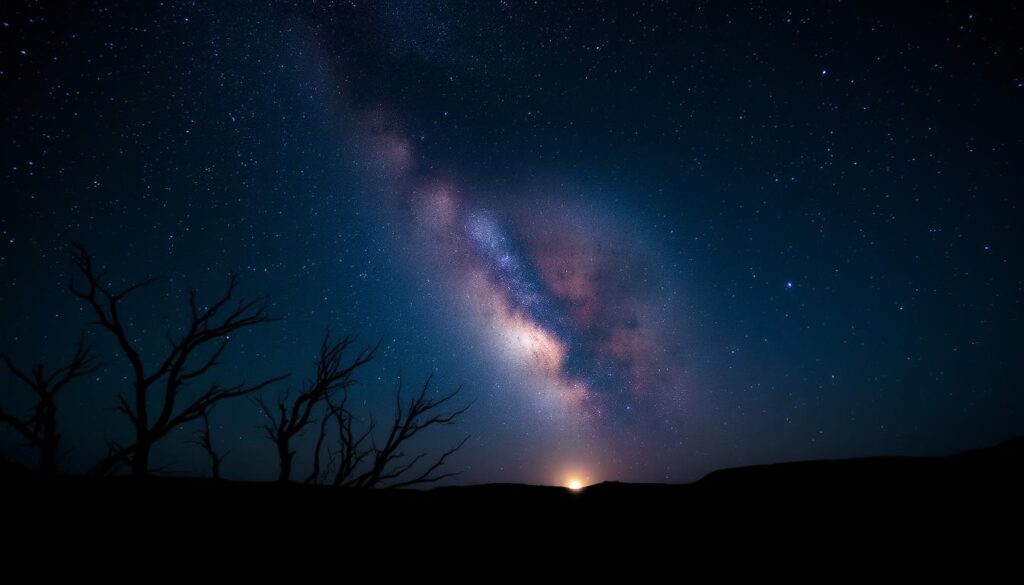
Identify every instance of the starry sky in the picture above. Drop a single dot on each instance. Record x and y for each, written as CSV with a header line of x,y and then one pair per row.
x,y
650,239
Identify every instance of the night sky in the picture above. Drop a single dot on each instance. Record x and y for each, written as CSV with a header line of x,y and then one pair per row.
x,y
651,239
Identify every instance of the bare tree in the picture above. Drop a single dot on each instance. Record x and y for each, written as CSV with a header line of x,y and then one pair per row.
x,y
290,416
208,334
388,465
204,440
39,426
351,451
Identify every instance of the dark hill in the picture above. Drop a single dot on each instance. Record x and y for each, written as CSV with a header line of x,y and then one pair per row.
x,y
984,483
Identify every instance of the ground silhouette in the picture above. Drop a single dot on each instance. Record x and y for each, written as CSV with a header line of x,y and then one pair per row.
x,y
975,486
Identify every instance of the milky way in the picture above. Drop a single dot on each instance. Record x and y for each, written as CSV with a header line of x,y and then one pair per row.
x,y
559,292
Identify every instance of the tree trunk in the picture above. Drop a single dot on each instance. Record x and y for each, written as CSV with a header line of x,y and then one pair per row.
x,y
140,459
48,460
48,446
286,462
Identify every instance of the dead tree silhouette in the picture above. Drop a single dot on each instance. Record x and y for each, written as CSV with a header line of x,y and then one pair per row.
x,y
207,336
204,439
290,416
357,460
388,465
39,426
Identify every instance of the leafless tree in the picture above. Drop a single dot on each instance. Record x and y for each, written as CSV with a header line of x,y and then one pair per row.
x,y
204,439
39,426
351,448
388,464
210,330
290,416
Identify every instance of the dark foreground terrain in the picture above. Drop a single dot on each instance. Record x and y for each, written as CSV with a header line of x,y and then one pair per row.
x,y
882,508
974,480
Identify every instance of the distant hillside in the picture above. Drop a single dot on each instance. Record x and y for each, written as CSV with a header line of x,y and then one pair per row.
x,y
986,479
